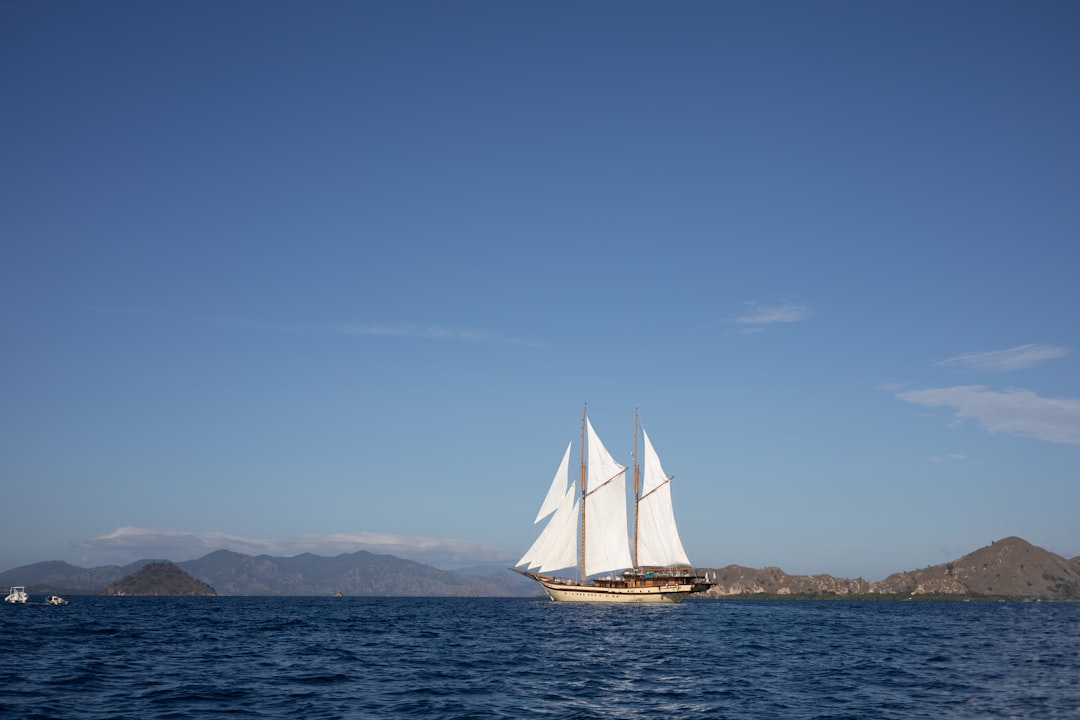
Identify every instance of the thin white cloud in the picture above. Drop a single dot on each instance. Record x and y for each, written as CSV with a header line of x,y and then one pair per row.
x,y
1013,412
137,543
1017,358
433,332
425,332
949,457
429,332
757,317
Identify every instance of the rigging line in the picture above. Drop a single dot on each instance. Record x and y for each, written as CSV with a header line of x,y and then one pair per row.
x,y
605,483
657,488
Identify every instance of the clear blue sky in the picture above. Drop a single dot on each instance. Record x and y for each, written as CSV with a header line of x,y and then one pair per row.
x,y
321,276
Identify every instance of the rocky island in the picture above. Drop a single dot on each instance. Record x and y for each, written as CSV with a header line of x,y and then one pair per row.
x,y
161,579
1010,568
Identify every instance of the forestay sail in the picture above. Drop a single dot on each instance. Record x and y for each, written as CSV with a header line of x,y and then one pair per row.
x,y
556,548
559,485
658,539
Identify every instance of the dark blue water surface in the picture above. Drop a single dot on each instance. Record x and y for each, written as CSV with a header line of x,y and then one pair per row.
x,y
116,657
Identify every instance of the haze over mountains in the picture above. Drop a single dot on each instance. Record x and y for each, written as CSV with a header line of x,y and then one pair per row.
x,y
1009,568
232,573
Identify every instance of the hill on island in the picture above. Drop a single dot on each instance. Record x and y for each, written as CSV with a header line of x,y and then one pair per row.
x,y
160,579
1008,568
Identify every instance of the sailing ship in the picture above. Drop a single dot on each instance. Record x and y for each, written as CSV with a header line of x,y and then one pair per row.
x,y
650,566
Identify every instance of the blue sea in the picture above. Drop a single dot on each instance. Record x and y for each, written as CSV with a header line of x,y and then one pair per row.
x,y
249,657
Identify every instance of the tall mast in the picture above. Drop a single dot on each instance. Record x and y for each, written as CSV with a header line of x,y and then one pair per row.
x,y
584,415
637,493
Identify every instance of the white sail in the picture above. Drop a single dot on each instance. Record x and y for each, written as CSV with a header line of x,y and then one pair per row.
x,y
658,537
607,544
559,484
556,548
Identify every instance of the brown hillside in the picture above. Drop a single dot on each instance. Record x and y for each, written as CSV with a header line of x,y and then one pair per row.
x,y
1019,567
159,578
1011,567
739,580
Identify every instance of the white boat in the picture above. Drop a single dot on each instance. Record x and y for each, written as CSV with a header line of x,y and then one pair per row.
x,y
55,600
17,595
612,566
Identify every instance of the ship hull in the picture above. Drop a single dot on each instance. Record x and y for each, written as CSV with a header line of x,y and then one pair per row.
x,y
630,589
561,592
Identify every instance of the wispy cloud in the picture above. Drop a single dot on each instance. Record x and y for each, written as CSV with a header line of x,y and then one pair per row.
x,y
1013,412
417,330
136,543
434,332
1017,358
757,317
949,458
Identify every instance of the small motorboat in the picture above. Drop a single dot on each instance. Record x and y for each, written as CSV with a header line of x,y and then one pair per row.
x,y
55,600
17,595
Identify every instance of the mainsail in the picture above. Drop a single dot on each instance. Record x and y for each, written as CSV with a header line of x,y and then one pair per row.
x,y
607,545
658,537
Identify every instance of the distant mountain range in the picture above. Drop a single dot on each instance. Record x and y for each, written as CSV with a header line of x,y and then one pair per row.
x,y
1007,568
231,573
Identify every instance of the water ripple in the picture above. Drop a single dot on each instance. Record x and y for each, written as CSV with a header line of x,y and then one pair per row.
x,y
495,658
